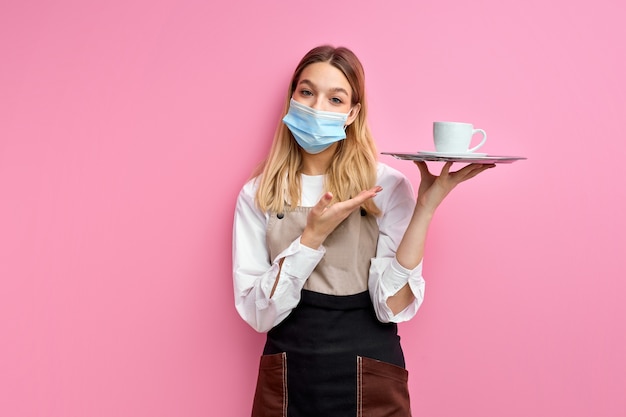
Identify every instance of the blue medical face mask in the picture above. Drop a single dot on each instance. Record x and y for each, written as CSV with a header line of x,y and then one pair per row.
x,y
315,130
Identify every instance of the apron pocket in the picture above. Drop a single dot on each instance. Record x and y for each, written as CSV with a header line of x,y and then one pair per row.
x,y
382,389
270,398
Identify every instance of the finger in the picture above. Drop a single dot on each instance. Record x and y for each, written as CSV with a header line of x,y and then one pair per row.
x,y
327,198
348,206
481,167
446,168
323,203
468,168
366,195
471,173
423,167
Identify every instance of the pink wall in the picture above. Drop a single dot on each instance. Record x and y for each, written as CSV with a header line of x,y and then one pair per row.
x,y
128,127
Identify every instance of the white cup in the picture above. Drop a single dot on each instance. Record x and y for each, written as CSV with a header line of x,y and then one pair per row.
x,y
455,137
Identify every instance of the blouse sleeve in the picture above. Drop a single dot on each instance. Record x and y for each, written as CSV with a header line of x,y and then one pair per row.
x,y
254,274
387,276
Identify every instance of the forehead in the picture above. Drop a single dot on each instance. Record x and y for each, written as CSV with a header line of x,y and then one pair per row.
x,y
324,76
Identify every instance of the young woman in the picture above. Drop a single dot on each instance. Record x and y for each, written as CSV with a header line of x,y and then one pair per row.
x,y
327,252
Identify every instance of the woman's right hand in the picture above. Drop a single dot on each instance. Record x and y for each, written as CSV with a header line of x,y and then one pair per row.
x,y
325,217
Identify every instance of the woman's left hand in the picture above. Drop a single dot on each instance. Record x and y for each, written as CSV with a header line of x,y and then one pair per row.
x,y
324,217
433,189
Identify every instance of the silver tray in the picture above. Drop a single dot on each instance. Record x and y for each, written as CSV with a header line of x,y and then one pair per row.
x,y
466,158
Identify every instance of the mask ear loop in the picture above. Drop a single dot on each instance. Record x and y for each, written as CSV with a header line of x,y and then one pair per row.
x,y
350,111
356,106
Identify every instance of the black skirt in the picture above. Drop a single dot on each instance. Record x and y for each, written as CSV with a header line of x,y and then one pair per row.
x,y
331,357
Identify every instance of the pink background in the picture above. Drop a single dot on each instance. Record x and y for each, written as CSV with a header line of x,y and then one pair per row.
x,y
127,129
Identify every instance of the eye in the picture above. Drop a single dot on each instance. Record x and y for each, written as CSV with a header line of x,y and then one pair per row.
x,y
336,100
307,93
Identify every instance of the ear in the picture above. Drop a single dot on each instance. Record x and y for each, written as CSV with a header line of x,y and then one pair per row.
x,y
353,114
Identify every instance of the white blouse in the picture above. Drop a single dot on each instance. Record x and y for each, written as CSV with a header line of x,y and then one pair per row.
x,y
254,273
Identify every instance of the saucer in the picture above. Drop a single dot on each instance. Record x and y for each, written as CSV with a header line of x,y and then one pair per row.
x,y
453,154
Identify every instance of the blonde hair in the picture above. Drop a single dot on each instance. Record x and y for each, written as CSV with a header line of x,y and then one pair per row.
x,y
353,167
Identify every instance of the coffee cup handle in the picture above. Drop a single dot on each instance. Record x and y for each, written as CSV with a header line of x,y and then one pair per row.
x,y
482,142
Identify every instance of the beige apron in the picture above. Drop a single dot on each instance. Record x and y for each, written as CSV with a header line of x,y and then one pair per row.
x,y
344,269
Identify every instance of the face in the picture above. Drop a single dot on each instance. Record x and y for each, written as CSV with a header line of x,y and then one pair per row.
x,y
323,87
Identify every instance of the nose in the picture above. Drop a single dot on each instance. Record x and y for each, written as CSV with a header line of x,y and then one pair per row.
x,y
317,103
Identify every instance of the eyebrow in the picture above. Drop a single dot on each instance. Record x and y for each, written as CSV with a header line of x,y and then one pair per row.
x,y
334,90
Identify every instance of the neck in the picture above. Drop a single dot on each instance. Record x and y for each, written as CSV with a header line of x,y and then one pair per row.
x,y
317,164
